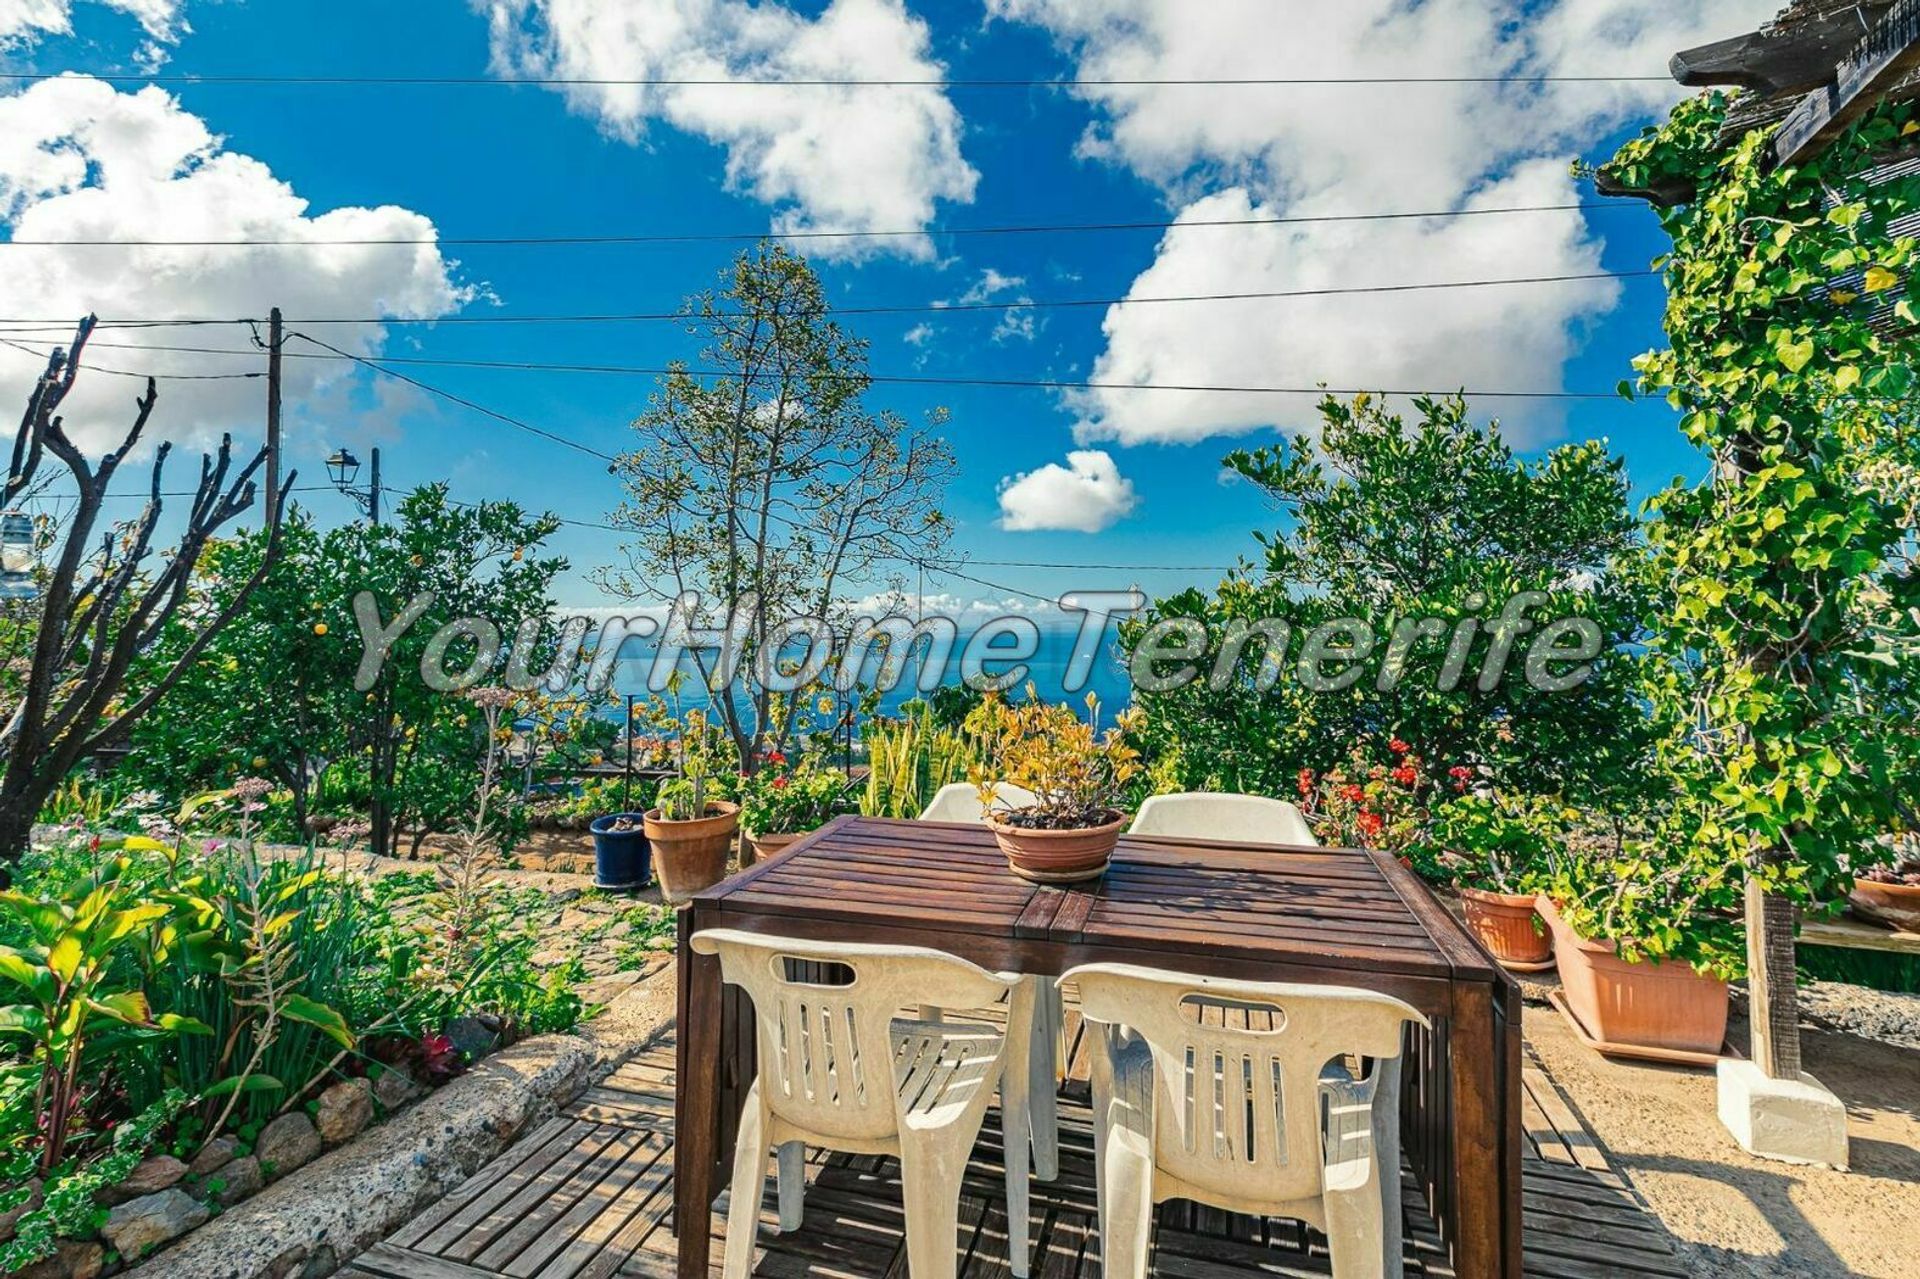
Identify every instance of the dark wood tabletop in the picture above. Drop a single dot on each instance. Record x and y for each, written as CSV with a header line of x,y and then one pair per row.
x,y
1258,912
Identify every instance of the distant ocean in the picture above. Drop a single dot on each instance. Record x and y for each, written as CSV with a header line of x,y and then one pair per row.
x,y
1048,669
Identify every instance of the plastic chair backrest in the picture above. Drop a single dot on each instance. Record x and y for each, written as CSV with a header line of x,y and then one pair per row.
x,y
960,802
822,1012
1243,819
1237,1110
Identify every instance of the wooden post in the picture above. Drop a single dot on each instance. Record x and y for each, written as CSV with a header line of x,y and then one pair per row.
x,y
373,490
1773,990
1773,993
274,337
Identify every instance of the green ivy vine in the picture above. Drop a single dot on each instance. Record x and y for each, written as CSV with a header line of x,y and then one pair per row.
x,y
1789,608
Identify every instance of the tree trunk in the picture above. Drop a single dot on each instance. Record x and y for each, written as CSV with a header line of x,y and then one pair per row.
x,y
1772,984
16,830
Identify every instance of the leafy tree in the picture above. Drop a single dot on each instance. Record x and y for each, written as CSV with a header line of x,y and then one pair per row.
x,y
1792,632
770,479
1392,522
275,696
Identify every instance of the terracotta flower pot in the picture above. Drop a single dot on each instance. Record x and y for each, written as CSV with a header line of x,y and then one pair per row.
x,y
691,856
1507,925
1641,1004
1058,856
761,847
1895,905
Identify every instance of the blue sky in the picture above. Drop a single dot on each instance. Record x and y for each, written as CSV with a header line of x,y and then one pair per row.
x,y
493,160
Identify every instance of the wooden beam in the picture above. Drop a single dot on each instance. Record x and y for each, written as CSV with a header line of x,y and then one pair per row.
x,y
1792,55
1861,81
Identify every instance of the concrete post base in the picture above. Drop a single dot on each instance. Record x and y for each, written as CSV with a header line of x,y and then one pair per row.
x,y
1796,1122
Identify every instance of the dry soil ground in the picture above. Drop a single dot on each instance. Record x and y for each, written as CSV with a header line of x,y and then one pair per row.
x,y
1736,1215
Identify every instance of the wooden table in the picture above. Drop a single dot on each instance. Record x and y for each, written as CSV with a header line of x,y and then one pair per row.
x,y
1230,910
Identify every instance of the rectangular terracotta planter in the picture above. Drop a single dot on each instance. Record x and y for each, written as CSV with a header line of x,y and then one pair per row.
x,y
1642,1004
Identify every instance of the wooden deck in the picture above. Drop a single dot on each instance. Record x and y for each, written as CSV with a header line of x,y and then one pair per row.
x,y
588,1196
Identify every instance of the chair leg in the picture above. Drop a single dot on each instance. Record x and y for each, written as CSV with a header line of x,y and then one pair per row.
x,y
1043,1080
932,1167
793,1185
1014,1143
1126,1205
1386,1147
1355,1230
749,1184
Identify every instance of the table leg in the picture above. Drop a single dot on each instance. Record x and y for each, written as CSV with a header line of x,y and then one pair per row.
x,y
1484,1081
696,1108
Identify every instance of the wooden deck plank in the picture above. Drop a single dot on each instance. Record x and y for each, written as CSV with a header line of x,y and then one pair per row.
x,y
588,1196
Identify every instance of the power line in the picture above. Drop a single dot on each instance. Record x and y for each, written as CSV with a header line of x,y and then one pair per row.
x,y
705,237
716,82
90,367
936,308
898,379
449,396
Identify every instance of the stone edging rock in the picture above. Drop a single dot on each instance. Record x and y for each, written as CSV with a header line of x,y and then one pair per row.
x,y
315,1220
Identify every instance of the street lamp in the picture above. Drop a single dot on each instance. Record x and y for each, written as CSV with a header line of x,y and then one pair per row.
x,y
343,468
18,557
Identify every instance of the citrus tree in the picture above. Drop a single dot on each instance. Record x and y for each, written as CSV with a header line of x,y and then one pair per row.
x,y
1790,621
1391,520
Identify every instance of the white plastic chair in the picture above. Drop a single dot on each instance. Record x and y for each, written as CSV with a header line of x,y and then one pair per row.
x,y
840,1069
1243,819
960,802
1220,1092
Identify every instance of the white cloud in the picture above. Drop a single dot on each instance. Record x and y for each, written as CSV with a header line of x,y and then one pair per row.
x,y
1329,149
25,19
22,22
1019,321
828,158
1488,338
917,335
80,160
1086,495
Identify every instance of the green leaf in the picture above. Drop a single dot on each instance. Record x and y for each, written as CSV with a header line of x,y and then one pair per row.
x,y
23,1020
320,1017
1879,279
243,1084
1794,355
129,1006
64,956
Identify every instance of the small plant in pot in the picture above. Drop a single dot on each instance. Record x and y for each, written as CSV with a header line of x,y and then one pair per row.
x,y
1890,894
691,837
621,860
1496,850
1077,776
1646,939
779,805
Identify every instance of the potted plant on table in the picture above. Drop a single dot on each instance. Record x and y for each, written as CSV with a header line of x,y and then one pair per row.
x,y
779,805
1496,850
1076,774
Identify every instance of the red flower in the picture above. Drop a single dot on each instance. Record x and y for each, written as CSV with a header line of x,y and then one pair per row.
x,y
779,783
1398,747
1459,772
776,758
1353,794
1406,774
1306,782
1370,823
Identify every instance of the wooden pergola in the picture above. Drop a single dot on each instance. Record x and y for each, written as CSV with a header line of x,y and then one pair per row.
x,y
1818,67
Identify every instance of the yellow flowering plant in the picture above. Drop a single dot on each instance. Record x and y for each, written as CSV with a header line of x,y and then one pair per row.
x,y
1077,773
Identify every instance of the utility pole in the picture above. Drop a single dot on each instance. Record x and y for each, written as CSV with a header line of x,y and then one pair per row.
x,y
275,335
373,490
